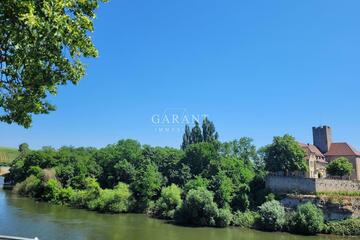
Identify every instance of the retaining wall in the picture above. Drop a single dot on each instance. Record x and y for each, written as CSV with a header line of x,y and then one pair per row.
x,y
282,184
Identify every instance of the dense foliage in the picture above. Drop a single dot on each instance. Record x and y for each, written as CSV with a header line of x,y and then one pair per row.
x,y
285,154
200,209
339,167
169,201
206,184
246,219
308,219
272,216
42,44
350,227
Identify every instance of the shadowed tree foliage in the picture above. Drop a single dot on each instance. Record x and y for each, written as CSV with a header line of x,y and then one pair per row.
x,y
198,157
42,44
208,131
186,137
196,134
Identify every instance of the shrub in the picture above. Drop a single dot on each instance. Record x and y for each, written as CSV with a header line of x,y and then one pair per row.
x,y
78,199
272,216
350,227
198,209
223,218
169,201
51,190
87,198
245,219
30,187
65,195
308,219
115,200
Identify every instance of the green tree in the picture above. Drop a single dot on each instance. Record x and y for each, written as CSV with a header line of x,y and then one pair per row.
x,y
186,138
198,157
166,159
197,182
242,148
224,190
339,167
196,134
42,44
208,131
119,162
147,185
285,154
24,148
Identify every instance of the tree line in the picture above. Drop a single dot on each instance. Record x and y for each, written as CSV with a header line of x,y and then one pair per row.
x,y
206,182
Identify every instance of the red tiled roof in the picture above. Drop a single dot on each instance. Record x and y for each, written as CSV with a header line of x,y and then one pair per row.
x,y
342,149
312,149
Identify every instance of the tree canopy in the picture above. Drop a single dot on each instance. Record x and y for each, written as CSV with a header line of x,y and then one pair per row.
x,y
41,47
339,167
285,154
205,133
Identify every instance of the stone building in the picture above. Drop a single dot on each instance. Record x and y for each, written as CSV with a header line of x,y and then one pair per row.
x,y
316,161
324,150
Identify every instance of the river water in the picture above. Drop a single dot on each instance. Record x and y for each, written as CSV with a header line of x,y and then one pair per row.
x,y
28,218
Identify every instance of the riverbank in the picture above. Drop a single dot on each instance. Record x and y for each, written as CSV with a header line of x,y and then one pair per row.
x,y
26,217
219,191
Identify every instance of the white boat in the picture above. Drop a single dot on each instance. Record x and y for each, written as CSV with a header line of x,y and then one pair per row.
x,y
4,237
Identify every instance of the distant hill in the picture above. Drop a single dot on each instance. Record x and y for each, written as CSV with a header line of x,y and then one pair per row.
x,y
7,155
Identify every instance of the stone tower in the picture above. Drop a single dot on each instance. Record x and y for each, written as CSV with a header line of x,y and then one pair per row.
x,y
322,138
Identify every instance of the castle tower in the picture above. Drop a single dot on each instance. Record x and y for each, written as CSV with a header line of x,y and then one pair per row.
x,y
322,137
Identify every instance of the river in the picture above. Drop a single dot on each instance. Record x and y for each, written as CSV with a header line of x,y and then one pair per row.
x,y
28,218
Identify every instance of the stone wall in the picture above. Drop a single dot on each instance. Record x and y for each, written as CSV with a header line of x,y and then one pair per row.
x,y
282,184
332,185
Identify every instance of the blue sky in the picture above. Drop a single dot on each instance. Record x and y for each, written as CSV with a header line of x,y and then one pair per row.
x,y
257,68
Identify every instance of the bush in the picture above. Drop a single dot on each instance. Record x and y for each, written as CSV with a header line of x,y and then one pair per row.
x,y
51,191
198,209
30,187
87,198
115,200
350,227
169,201
272,216
245,219
65,195
223,218
308,219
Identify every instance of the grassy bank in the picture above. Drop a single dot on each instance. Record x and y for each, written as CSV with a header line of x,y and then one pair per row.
x,y
7,155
